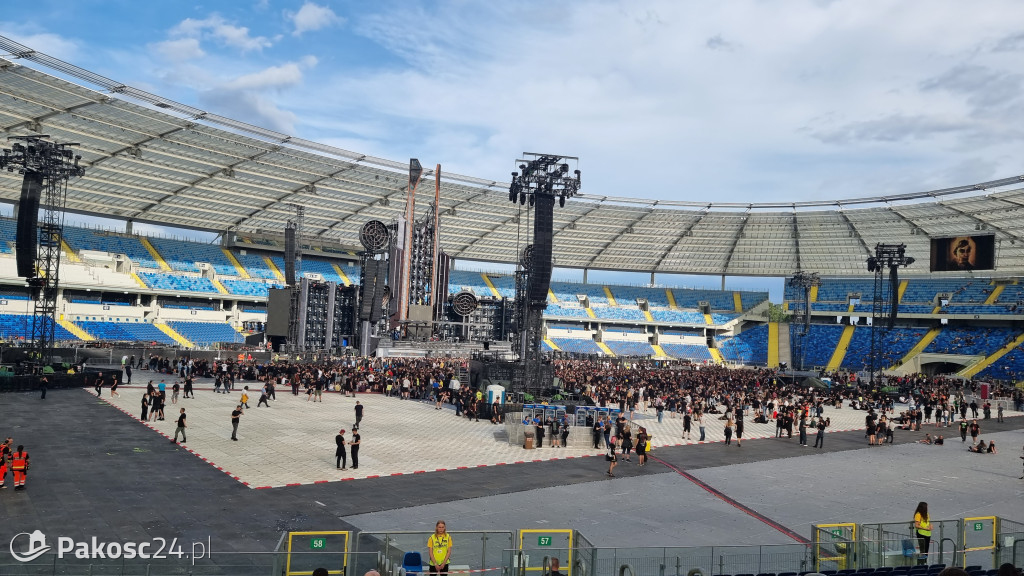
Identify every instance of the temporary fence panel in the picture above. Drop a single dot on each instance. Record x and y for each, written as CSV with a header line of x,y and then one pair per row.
x,y
557,543
1010,543
307,551
835,546
979,541
477,551
584,556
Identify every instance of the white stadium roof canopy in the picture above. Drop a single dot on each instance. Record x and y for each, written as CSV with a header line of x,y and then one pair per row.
x,y
149,159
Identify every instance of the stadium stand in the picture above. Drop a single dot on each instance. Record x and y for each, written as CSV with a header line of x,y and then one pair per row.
x,y
322,267
677,316
177,283
618,313
556,310
206,333
459,280
249,287
506,285
577,345
970,340
749,347
19,326
111,242
568,292
818,345
8,229
125,331
630,348
695,352
184,256
630,294
1010,367
894,346
255,265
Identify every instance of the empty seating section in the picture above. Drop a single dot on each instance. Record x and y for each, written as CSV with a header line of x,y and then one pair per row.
x,y
718,319
249,287
838,289
969,340
630,294
125,331
112,242
718,299
556,310
677,316
206,333
577,345
323,268
697,352
158,281
8,232
506,285
19,326
459,280
819,343
567,292
894,346
749,347
255,265
619,313
630,348
183,256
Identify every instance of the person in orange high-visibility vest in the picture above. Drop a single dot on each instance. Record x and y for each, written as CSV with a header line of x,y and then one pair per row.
x,y
19,464
5,456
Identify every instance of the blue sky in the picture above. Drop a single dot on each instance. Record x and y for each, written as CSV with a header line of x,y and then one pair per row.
x,y
739,101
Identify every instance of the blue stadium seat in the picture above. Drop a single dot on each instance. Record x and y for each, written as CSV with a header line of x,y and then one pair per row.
x,y
19,326
125,331
207,333
184,256
111,242
160,281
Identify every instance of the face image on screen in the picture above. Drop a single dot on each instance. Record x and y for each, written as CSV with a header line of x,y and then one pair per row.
x,y
963,253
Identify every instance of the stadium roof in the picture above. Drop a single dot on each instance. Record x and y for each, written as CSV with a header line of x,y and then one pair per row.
x,y
149,159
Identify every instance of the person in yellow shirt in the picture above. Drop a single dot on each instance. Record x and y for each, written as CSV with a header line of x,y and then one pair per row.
x,y
440,546
923,530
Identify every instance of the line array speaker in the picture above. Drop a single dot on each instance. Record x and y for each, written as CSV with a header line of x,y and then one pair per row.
x,y
28,218
290,250
540,261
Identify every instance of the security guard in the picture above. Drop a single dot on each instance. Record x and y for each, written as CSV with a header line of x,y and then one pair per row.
x,y
19,464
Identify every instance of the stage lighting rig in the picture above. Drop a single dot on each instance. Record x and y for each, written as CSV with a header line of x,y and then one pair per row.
x,y
885,305
544,174
46,168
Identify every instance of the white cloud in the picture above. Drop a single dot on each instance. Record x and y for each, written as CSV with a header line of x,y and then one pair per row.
x,y
218,29
288,74
736,101
179,49
313,17
48,43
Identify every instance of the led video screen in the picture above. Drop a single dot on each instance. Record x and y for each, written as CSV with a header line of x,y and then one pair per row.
x,y
963,253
